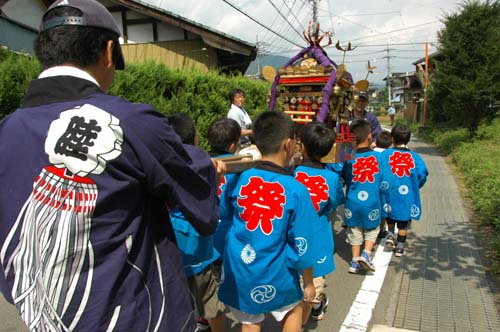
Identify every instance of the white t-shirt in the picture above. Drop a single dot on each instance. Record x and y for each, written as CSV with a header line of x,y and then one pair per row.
x,y
391,111
241,116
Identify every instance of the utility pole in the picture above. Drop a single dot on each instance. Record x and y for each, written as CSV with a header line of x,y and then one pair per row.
x,y
388,57
315,13
426,85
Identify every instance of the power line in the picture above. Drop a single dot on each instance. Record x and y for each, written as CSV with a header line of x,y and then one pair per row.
x,y
286,20
397,30
291,12
374,14
281,30
262,25
394,44
274,21
330,13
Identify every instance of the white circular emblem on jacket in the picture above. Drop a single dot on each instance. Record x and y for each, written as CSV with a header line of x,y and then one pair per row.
x,y
83,140
415,211
248,254
263,294
403,190
384,185
374,214
301,244
363,195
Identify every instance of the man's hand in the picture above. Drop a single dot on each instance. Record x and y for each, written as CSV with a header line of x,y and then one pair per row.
x,y
220,169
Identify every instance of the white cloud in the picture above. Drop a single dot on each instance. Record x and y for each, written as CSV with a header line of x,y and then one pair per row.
x,y
365,22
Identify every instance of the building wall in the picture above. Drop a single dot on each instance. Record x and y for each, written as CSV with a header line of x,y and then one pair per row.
x,y
189,54
16,37
410,113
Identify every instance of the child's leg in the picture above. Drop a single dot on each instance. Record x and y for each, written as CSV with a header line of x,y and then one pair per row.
x,y
293,320
391,225
402,233
217,323
370,238
390,241
306,311
250,327
320,302
382,233
249,322
355,250
355,239
204,287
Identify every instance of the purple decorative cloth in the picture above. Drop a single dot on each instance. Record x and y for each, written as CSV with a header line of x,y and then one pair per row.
x,y
320,55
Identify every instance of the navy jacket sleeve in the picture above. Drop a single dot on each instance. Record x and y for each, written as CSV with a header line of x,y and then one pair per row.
x,y
181,175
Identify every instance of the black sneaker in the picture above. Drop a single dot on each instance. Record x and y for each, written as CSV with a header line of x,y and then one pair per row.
x,y
390,242
399,251
319,314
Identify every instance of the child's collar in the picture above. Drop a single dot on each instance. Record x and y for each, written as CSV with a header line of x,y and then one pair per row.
x,y
272,167
313,164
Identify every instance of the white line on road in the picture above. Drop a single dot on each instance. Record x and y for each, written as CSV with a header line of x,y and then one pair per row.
x,y
360,313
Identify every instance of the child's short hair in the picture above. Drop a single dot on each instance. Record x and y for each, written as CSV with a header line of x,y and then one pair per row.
x,y
317,139
235,92
222,133
361,128
270,129
183,126
384,140
401,134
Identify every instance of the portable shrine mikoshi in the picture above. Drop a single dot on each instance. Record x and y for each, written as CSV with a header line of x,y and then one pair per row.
x,y
312,87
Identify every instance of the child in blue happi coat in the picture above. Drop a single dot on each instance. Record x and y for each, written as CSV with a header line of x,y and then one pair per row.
x,y
268,244
365,180
198,252
223,136
326,194
407,175
383,142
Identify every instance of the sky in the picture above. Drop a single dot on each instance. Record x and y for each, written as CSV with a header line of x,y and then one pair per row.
x,y
391,34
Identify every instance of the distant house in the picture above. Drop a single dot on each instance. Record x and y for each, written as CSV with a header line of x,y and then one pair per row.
x,y
148,33
434,59
406,89
19,24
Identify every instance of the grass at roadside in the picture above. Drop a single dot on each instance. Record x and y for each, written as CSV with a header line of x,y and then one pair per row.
x,y
478,161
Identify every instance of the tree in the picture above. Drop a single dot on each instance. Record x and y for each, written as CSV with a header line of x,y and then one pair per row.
x,y
468,76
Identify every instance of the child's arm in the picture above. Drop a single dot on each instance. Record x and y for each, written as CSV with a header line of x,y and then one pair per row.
x,y
309,289
337,196
422,171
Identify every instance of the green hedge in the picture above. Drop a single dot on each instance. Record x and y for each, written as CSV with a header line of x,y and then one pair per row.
x,y
204,96
16,71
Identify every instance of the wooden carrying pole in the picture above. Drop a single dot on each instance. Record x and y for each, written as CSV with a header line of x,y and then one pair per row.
x,y
238,163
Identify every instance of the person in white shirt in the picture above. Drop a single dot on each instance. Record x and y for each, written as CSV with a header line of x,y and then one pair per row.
x,y
238,113
392,113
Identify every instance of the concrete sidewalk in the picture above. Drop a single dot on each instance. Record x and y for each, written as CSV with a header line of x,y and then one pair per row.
x,y
440,284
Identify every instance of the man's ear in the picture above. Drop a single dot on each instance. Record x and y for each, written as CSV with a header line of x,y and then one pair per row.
x,y
108,54
288,145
